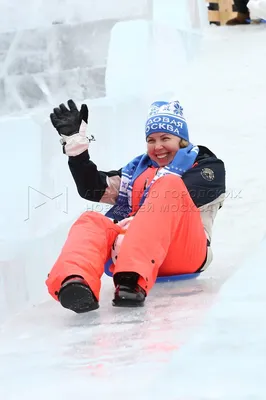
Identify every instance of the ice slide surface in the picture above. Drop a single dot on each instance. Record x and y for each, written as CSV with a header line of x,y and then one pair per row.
x,y
198,340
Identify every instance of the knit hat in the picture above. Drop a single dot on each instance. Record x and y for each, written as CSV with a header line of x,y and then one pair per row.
x,y
167,117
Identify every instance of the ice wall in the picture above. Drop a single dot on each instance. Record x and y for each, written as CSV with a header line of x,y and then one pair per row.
x,y
54,50
43,13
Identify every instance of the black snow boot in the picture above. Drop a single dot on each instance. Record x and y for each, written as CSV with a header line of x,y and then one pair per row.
x,y
76,295
240,19
127,291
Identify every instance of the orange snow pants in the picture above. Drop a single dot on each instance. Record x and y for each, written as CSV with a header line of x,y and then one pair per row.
x,y
166,237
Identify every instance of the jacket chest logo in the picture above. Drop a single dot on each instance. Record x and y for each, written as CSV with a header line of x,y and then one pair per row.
x,y
207,174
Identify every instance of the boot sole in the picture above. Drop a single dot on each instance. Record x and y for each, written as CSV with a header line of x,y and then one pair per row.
x,y
127,303
78,298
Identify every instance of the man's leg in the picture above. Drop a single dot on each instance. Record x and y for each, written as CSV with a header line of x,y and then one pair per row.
x,y
242,17
241,6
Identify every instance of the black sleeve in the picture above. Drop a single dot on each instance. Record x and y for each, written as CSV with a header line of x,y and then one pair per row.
x,y
91,183
205,181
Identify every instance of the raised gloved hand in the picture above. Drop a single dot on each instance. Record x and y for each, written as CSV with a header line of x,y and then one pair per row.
x,y
71,124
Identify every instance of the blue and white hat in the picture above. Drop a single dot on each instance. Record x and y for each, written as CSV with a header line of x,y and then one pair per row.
x,y
167,117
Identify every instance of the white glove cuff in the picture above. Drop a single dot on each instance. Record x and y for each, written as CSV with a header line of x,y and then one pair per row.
x,y
77,143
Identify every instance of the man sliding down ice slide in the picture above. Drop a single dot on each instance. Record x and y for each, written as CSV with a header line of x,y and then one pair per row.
x,y
164,204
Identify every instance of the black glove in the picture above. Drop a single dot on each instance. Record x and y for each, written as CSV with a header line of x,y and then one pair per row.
x,y
67,121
